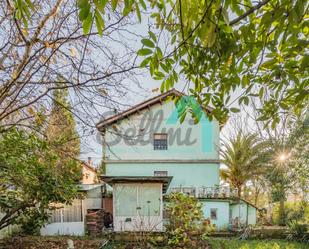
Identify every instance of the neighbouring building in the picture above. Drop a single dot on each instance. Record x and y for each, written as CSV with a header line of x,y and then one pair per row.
x,y
71,219
148,153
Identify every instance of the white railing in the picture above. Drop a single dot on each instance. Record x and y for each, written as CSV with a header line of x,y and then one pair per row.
x,y
206,192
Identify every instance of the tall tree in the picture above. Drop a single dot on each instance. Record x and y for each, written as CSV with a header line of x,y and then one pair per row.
x,y
243,155
61,130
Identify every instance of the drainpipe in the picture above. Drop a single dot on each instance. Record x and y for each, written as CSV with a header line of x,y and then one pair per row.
x,y
247,214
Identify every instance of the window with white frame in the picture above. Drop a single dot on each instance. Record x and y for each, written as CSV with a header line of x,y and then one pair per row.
x,y
160,141
213,213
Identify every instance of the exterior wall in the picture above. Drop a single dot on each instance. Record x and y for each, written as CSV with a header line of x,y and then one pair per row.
x,y
93,200
65,228
184,174
245,212
251,215
222,207
89,175
129,218
202,139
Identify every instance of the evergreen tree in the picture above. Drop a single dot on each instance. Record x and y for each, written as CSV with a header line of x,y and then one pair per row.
x,y
61,130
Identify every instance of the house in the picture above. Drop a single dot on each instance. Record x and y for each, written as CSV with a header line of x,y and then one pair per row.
x,y
148,153
89,173
71,219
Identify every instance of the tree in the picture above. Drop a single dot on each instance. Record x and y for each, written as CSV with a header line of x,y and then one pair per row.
x,y
43,48
243,155
30,178
288,171
225,46
61,130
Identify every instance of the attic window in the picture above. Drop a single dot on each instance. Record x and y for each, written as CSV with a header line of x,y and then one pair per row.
x,y
160,141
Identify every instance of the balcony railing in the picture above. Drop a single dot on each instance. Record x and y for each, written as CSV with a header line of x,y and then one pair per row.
x,y
206,192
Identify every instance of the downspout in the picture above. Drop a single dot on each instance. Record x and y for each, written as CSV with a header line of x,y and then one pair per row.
x,y
247,214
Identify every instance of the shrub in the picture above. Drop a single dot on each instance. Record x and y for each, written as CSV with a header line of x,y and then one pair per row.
x,y
293,212
187,226
298,231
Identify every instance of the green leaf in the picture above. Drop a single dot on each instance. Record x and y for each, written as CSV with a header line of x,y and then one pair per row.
x,y
99,22
148,43
144,51
152,36
84,12
235,110
87,24
143,4
138,12
127,7
145,62
114,4
100,4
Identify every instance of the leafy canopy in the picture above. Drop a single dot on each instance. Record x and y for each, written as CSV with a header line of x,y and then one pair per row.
x,y
257,48
30,177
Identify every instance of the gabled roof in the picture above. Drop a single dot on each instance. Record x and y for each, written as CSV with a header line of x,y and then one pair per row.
x,y
146,104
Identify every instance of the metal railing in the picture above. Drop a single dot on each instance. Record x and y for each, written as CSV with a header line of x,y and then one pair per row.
x,y
206,192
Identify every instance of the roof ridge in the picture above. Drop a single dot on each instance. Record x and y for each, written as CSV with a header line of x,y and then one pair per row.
x,y
136,107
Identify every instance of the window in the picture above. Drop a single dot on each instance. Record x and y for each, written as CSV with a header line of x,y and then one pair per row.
x,y
160,173
67,213
160,141
213,213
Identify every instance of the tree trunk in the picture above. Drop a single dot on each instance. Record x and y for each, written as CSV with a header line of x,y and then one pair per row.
x,y
239,191
281,213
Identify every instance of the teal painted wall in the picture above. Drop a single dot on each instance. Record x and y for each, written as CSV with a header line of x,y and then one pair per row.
x,y
134,138
241,210
186,175
251,215
222,207
203,144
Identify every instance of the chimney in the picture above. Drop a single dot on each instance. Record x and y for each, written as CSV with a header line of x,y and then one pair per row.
x,y
89,161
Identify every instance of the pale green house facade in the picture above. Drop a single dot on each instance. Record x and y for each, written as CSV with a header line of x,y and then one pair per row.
x,y
147,142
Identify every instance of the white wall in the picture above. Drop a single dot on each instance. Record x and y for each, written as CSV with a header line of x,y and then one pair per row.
x,y
135,221
65,228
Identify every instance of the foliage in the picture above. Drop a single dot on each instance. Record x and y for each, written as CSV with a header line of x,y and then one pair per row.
x,y
291,174
254,244
225,46
298,231
32,176
244,156
230,45
61,130
186,224
293,211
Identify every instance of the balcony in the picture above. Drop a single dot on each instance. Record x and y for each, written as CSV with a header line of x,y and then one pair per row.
x,y
206,192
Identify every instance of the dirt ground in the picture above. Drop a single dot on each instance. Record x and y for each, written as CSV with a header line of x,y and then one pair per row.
x,y
46,242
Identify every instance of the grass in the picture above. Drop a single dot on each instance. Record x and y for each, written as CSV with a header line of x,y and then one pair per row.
x,y
255,244
85,242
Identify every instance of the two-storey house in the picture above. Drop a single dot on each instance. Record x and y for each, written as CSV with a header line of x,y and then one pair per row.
x,y
148,152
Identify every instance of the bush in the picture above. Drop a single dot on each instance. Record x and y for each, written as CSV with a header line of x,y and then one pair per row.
x,y
298,231
187,226
293,212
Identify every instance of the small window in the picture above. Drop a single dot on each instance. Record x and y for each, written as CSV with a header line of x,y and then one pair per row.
x,y
213,213
160,141
160,173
